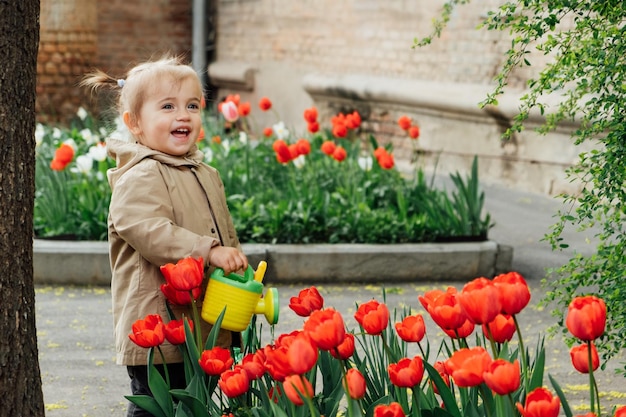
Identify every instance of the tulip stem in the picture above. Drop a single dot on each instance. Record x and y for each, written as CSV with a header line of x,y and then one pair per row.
x,y
593,386
522,353
196,321
167,374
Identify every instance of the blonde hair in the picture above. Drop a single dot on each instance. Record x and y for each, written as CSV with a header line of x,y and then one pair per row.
x,y
133,90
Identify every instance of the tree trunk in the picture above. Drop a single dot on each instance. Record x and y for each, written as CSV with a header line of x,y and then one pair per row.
x,y
20,380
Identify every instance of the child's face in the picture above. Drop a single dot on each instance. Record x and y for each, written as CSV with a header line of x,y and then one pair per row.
x,y
169,120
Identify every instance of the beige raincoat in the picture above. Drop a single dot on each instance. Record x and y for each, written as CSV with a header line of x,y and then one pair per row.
x,y
163,208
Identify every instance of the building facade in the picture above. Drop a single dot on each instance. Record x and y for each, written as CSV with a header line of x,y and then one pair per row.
x,y
339,55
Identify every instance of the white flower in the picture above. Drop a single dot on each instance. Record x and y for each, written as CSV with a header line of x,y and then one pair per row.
x,y
72,143
88,136
40,132
84,164
243,137
208,154
121,132
280,130
82,113
299,161
56,133
226,146
98,152
365,162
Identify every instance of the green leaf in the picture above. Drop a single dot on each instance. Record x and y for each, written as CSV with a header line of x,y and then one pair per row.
x,y
148,403
561,395
196,406
159,387
445,393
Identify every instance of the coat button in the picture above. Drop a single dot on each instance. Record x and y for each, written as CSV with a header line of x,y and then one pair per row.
x,y
212,230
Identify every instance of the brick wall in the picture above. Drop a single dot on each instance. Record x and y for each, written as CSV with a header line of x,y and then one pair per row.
x,y
132,31
67,50
79,35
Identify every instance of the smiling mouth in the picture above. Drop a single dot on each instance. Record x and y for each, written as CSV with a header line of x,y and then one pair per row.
x,y
181,133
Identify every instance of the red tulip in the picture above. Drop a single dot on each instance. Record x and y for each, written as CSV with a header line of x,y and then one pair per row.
x,y
302,354
175,331
586,317
313,127
339,154
235,98
326,328
501,328
265,104
441,369
540,403
277,362
283,155
414,132
215,361
446,311
580,358
514,292
187,274
480,300
386,161
404,122
244,109
181,298
303,147
297,388
254,364
310,115
355,384
62,157
345,349
407,372
412,328
268,132
466,366
392,410
328,147
373,317
620,412
502,377
234,382
461,332
307,301
589,414
148,332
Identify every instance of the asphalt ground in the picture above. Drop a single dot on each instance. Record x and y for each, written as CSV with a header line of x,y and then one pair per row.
x,y
75,331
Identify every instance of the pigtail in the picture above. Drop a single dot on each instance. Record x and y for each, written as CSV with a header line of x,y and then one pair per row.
x,y
98,80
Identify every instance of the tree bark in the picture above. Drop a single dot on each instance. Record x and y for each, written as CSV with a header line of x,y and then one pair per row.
x,y
20,380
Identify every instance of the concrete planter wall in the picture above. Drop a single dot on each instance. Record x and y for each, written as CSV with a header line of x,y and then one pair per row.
x,y
87,263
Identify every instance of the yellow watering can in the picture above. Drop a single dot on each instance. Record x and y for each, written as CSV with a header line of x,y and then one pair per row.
x,y
241,295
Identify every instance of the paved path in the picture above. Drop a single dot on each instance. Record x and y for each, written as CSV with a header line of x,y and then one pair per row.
x,y
75,326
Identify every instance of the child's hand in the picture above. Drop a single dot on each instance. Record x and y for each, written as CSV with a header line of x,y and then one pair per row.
x,y
227,258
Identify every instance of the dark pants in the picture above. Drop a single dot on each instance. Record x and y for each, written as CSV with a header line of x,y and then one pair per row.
x,y
139,383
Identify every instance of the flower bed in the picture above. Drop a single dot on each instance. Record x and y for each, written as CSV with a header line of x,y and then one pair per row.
x,y
332,185
386,367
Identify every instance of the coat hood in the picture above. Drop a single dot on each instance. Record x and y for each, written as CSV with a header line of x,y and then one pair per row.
x,y
129,154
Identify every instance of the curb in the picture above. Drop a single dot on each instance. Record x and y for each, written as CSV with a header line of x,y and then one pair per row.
x,y
87,263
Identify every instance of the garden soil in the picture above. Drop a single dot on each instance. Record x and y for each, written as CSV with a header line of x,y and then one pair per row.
x,y
75,331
